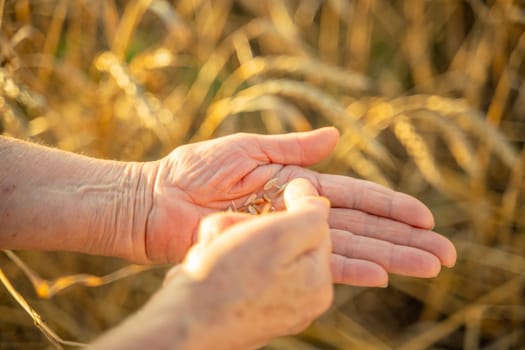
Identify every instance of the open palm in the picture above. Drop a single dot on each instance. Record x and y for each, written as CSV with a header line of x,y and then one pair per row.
x,y
374,230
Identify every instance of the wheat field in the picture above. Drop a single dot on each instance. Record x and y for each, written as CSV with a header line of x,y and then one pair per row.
x,y
428,96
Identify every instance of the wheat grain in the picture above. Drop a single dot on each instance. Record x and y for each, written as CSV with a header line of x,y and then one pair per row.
x,y
250,199
270,183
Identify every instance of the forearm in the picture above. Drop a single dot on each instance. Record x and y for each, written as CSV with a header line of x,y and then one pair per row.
x,y
186,315
178,317
54,200
148,330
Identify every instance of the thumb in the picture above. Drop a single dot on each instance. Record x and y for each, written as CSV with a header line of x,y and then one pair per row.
x,y
212,226
300,192
299,148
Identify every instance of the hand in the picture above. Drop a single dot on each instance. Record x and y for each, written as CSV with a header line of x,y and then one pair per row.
x,y
274,268
247,280
374,230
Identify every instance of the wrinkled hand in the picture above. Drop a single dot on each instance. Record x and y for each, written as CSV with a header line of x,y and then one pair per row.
x,y
374,230
246,281
264,276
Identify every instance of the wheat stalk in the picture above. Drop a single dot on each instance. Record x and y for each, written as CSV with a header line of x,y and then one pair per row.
x,y
14,90
294,66
456,320
47,289
211,69
13,124
199,70
148,108
464,116
382,114
326,105
53,338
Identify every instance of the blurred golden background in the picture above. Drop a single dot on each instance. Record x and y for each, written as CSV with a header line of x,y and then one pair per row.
x,y
428,96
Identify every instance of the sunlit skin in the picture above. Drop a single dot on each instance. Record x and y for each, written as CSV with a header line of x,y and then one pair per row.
x,y
246,281
237,270
150,212
374,230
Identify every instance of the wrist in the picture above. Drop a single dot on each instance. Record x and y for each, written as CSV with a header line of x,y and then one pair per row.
x,y
131,209
176,317
173,219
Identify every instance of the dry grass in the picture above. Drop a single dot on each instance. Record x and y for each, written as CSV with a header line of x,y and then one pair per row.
x,y
429,97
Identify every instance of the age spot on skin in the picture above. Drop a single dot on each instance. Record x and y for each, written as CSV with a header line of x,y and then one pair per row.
x,y
8,189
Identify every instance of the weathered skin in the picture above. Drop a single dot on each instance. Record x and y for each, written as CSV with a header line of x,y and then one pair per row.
x,y
248,280
150,212
273,273
377,230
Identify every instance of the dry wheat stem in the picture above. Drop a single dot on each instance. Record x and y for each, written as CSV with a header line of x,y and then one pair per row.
x,y
2,9
342,332
132,15
53,338
147,107
465,117
486,256
211,69
456,140
52,38
206,53
503,89
222,109
324,103
419,151
429,337
13,122
47,289
510,198
363,166
293,66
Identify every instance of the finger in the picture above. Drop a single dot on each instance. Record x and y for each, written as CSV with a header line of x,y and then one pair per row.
x,y
305,227
299,188
300,191
346,192
357,272
364,224
301,148
285,234
393,258
213,225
